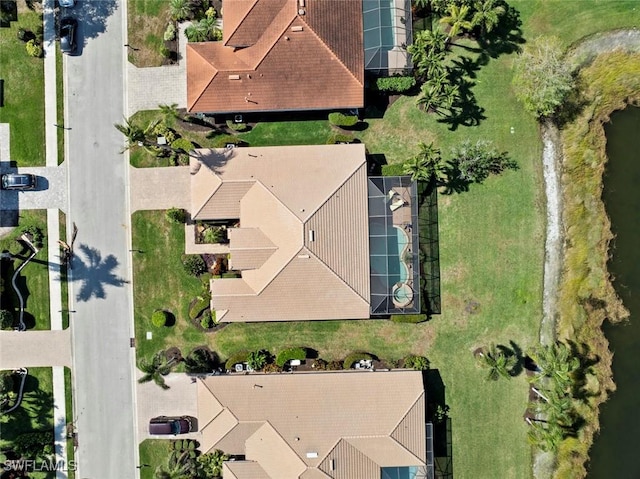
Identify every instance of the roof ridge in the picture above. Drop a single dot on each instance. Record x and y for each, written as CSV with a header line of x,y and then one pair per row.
x,y
255,2
406,413
331,50
273,44
216,71
208,198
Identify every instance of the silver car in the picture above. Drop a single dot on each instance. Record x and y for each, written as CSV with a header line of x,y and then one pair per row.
x,y
15,181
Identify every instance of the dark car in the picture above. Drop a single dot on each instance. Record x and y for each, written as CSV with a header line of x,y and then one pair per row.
x,y
68,27
164,425
15,181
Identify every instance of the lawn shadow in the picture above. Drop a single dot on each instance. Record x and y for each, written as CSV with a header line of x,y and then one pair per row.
x,y
94,272
506,37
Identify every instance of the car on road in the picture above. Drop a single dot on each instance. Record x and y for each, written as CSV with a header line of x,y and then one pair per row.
x,y
68,27
165,425
16,181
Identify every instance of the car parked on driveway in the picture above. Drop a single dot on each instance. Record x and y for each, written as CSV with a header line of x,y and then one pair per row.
x,y
15,181
68,27
165,425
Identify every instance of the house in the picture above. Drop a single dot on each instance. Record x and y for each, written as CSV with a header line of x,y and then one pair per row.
x,y
310,235
280,55
324,425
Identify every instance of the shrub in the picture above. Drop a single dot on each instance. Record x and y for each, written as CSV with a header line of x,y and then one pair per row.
x,y
419,363
239,357
33,444
36,235
340,119
258,359
201,360
34,49
272,368
232,125
289,354
165,52
335,138
394,169
170,32
353,358
396,84
176,215
319,364
194,264
182,144
25,35
334,365
199,306
409,318
160,318
214,234
162,129
208,319
6,319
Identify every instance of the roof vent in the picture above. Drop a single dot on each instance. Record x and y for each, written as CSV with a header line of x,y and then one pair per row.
x,y
301,3
332,465
297,28
312,235
312,455
303,256
234,77
301,11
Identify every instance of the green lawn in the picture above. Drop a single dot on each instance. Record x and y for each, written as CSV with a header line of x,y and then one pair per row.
x,y
491,255
68,408
33,280
62,218
35,413
153,452
23,92
59,103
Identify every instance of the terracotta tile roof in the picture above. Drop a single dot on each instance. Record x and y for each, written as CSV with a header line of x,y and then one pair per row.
x,y
290,62
303,242
345,432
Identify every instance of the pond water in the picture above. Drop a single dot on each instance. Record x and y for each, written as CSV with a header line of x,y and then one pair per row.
x,y
615,451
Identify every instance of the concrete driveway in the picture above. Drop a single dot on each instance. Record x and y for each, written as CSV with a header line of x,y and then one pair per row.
x,y
180,400
30,349
160,188
50,193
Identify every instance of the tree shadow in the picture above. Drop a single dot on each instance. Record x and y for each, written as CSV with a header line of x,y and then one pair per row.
x,y
516,351
587,360
92,16
506,37
94,272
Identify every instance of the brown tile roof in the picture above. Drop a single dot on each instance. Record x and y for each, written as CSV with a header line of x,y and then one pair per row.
x,y
290,62
319,425
303,242
243,470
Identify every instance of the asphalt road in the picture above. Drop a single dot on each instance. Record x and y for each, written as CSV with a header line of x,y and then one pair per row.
x,y
101,324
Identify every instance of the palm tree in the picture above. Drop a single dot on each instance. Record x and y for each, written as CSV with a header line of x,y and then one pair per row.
x,y
431,95
433,163
180,9
498,360
558,409
546,436
155,369
457,19
211,463
428,47
487,15
557,363
132,132
169,112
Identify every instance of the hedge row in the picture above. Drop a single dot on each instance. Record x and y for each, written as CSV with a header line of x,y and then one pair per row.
x,y
199,306
409,318
340,119
396,84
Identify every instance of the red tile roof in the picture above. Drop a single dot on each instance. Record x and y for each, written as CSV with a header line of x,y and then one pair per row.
x,y
290,61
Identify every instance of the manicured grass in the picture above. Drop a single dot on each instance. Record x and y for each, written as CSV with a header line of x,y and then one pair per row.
x,y
153,452
35,413
160,282
59,103
68,408
147,21
277,133
23,92
64,283
33,280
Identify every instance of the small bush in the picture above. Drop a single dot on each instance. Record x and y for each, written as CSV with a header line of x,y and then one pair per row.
x,y
6,319
239,357
409,318
201,360
214,234
419,363
334,365
289,354
272,368
340,119
160,318
353,358
232,125
170,32
319,364
36,235
258,359
194,264
34,49
33,444
336,138
176,215
396,84
25,35
198,307
165,52
182,144
208,320
162,129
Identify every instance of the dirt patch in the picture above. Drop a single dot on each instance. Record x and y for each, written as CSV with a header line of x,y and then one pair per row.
x,y
145,37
